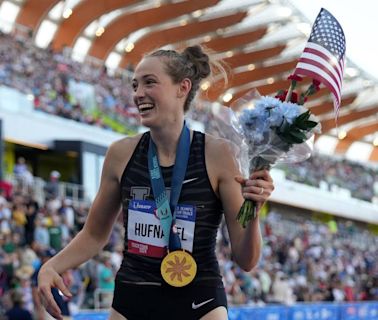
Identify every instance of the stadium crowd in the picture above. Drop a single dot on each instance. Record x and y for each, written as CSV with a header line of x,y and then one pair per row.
x,y
329,172
61,86
302,260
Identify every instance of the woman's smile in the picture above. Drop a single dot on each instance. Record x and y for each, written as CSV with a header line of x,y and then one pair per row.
x,y
145,108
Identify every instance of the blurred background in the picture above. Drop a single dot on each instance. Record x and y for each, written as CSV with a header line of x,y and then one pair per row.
x,y
65,96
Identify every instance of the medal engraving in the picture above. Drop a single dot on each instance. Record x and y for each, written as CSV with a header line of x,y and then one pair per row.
x,y
178,268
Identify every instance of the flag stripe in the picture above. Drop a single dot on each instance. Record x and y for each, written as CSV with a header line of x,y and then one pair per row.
x,y
313,54
320,63
314,75
320,75
326,55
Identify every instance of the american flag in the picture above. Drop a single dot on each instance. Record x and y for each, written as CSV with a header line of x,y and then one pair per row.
x,y
324,55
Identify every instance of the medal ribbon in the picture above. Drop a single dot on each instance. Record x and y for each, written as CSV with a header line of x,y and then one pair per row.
x,y
166,209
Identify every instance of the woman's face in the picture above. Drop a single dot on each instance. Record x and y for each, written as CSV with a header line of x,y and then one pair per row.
x,y
158,99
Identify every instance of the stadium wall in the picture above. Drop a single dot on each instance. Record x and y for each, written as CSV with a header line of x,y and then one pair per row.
x,y
308,311
337,203
22,123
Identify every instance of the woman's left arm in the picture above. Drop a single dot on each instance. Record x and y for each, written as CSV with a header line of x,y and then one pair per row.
x,y
233,190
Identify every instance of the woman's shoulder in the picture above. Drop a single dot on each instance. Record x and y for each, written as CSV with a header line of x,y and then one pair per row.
x,y
126,143
123,148
221,159
218,144
221,152
119,154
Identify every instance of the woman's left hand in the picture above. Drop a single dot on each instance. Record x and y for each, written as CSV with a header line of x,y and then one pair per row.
x,y
258,187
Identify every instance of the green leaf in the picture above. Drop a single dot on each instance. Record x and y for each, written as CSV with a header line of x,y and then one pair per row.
x,y
298,136
311,124
306,125
302,125
288,138
285,126
303,117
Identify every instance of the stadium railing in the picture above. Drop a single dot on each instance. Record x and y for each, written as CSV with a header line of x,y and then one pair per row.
x,y
72,191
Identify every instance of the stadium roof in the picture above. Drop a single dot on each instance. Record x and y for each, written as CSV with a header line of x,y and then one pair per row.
x,y
261,40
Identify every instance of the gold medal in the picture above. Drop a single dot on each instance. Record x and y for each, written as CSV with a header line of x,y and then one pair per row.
x,y
178,268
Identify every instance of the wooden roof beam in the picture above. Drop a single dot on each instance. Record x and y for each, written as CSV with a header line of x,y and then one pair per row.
x,y
83,14
221,44
354,115
243,59
325,107
242,78
131,22
33,12
160,38
374,154
355,134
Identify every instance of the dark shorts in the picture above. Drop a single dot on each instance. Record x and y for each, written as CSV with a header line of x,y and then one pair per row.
x,y
143,302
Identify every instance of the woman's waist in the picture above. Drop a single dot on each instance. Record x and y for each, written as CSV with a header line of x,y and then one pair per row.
x,y
136,268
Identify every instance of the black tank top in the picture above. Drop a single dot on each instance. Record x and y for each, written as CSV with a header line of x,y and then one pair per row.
x,y
135,184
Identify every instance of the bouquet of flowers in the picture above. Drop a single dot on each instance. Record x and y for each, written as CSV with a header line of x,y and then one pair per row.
x,y
276,129
271,130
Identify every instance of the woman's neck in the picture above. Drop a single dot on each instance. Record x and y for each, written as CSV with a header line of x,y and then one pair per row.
x,y
166,140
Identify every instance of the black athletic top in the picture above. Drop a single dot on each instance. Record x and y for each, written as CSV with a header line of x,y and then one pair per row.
x,y
198,192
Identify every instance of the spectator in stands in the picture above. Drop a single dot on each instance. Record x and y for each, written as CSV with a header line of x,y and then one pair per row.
x,y
24,178
282,292
67,213
52,186
3,199
23,275
19,218
41,232
31,214
18,312
89,273
6,189
165,83
81,213
56,232
20,168
105,272
5,218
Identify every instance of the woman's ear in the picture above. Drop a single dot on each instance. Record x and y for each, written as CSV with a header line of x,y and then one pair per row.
x,y
184,88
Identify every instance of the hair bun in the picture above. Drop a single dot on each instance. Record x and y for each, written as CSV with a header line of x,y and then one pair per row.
x,y
200,61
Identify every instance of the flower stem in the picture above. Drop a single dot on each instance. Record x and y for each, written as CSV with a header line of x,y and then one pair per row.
x,y
247,212
290,91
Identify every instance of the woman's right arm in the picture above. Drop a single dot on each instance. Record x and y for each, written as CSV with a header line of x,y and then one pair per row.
x,y
95,233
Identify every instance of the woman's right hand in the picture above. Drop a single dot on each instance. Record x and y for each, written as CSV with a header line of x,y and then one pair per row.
x,y
48,278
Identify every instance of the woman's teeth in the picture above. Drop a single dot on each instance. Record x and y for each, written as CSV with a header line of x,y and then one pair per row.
x,y
145,107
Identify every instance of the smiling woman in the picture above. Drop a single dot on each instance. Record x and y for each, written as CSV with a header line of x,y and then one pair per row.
x,y
174,186
155,94
162,85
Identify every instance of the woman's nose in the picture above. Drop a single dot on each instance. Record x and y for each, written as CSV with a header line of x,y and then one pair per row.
x,y
139,92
